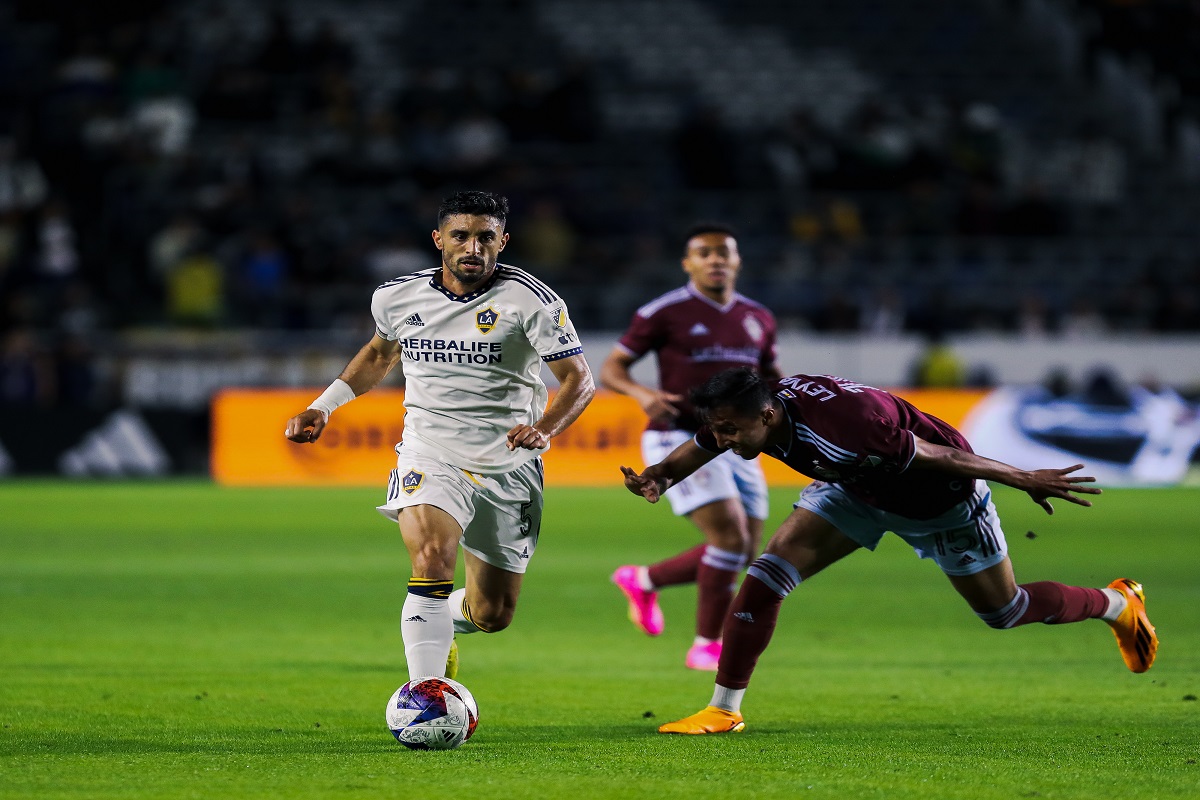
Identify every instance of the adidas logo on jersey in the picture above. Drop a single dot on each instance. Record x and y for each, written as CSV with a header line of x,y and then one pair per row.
x,y
416,618
966,559
524,552
415,319
744,616
698,329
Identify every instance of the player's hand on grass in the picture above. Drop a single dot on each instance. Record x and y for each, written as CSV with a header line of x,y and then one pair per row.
x,y
1047,483
528,437
647,486
306,426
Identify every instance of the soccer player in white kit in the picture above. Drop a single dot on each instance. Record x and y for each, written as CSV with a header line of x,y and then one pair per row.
x,y
471,335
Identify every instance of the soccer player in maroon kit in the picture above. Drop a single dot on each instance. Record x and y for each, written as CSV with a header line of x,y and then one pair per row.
x,y
696,331
879,464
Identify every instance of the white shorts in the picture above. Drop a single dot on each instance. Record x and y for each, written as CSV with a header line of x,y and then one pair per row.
x,y
965,540
726,477
500,515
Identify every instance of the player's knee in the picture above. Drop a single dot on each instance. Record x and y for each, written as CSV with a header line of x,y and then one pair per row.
x,y
433,562
732,537
493,620
1010,615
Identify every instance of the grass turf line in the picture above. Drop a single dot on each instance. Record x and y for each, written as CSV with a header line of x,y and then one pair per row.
x,y
184,640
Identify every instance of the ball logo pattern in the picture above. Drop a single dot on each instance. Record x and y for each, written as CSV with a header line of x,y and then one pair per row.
x,y
432,714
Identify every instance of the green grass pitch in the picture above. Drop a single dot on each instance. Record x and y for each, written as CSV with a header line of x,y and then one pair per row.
x,y
183,640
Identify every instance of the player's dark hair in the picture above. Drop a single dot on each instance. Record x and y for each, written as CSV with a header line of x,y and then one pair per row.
x,y
740,389
476,203
701,228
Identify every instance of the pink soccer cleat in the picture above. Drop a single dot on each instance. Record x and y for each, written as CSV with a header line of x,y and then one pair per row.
x,y
704,656
643,606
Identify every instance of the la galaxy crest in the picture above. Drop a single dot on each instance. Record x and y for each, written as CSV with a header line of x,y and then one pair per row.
x,y
412,481
560,317
486,320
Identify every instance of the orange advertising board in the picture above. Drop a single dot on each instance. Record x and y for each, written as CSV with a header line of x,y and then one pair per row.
x,y
249,449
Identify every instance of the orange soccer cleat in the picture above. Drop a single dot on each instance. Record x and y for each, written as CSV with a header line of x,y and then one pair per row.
x,y
1135,635
710,720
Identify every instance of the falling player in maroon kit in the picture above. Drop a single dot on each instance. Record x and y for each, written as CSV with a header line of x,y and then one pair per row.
x,y
879,464
696,331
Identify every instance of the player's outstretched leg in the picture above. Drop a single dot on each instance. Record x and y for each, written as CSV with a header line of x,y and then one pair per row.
x,y
748,631
715,579
644,610
710,720
1135,635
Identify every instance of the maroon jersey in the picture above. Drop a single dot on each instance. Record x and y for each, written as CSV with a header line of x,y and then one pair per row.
x,y
863,439
695,338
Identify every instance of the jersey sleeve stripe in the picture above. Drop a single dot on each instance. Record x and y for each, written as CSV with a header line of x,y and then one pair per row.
x,y
574,351
532,279
539,289
546,299
750,302
830,450
425,273
914,452
669,299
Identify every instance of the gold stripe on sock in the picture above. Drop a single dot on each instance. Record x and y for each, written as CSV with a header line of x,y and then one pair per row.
x,y
466,612
430,587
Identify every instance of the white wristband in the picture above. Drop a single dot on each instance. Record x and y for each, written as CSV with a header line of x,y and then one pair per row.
x,y
338,394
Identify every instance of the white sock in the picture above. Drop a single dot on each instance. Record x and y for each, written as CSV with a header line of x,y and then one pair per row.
x,y
728,699
461,623
700,640
427,630
1117,601
643,579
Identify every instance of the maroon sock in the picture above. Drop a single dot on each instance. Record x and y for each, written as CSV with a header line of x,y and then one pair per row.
x,y
748,629
715,591
1056,603
677,569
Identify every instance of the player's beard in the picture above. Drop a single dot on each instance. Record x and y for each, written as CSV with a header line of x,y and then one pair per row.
x,y
470,278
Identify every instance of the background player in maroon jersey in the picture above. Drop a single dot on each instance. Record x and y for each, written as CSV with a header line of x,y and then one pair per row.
x,y
880,464
696,331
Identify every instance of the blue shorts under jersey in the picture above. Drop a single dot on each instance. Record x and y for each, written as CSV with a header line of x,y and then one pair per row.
x,y
963,541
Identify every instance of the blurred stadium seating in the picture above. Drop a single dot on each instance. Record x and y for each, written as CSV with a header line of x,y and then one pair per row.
x,y
184,183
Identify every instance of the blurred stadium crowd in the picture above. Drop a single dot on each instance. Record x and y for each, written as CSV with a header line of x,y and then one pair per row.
x,y
943,165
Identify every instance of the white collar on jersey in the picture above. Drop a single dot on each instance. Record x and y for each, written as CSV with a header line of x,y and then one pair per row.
x,y
699,295
436,282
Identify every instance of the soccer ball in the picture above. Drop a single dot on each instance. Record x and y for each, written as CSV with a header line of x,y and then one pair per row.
x,y
432,714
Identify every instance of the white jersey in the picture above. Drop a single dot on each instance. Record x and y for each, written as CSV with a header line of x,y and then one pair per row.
x,y
472,363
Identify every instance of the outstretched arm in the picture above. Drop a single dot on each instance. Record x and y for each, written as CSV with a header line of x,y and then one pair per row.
x,y
364,372
575,390
657,404
1039,484
683,461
